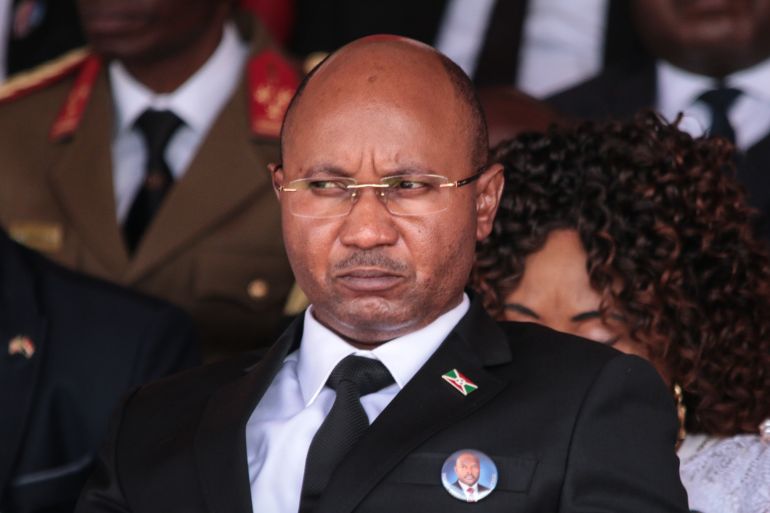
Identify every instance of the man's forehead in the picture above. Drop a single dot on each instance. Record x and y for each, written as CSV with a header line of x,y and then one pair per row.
x,y
370,67
368,92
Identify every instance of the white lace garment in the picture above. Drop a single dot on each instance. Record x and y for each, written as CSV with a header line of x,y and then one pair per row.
x,y
726,475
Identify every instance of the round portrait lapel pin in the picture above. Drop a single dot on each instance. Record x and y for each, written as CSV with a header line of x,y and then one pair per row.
x,y
469,475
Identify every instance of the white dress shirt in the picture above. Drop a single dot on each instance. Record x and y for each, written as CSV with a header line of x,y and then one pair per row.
x,y
197,103
678,91
562,41
281,427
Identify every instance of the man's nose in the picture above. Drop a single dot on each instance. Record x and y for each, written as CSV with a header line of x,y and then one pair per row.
x,y
369,224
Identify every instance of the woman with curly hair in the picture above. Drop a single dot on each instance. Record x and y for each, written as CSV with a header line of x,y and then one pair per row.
x,y
635,235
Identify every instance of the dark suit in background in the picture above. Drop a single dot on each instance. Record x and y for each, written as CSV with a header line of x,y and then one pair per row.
x,y
92,343
619,94
567,422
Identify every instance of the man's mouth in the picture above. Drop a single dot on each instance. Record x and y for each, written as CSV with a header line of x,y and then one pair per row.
x,y
367,279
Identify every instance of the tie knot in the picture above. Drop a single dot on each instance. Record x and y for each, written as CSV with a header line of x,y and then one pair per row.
x,y
721,98
157,127
367,375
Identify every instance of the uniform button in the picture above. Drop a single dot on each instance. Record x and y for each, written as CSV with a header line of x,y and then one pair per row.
x,y
258,289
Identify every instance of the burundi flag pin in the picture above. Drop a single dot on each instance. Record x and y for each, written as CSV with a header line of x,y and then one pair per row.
x,y
21,345
460,382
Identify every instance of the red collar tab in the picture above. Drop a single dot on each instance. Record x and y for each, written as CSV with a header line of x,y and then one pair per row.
x,y
69,117
272,83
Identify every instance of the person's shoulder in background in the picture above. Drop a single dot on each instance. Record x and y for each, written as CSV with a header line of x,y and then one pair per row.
x,y
75,346
110,318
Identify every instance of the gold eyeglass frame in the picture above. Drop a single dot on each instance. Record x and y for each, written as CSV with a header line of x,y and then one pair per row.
x,y
354,186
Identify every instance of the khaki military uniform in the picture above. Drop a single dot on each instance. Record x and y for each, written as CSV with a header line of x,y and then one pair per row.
x,y
214,247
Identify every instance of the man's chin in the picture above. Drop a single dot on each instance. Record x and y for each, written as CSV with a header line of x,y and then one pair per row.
x,y
367,319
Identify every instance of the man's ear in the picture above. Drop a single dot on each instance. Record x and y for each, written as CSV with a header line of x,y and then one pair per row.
x,y
276,174
489,189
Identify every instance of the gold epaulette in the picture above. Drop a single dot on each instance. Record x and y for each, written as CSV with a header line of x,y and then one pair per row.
x,y
25,82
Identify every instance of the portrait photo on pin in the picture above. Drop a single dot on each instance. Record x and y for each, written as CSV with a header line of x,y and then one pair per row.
x,y
469,475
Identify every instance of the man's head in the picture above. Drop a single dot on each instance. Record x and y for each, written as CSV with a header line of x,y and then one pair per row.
x,y
381,107
467,468
708,37
142,31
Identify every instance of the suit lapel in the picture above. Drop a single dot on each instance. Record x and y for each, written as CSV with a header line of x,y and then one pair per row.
x,y
426,405
82,180
19,315
226,174
220,443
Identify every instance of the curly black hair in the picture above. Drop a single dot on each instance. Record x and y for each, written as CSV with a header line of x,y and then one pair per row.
x,y
670,246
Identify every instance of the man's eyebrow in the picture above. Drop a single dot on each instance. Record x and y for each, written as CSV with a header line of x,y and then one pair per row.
x,y
521,309
410,169
585,316
324,170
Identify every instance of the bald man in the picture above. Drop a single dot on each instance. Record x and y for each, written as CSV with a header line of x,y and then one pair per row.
x,y
384,190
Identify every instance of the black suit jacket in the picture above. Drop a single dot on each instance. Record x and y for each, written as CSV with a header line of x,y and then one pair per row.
x,y
571,425
620,94
93,342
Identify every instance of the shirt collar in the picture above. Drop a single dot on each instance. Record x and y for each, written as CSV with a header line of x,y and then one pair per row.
x,y
753,81
197,101
321,349
678,89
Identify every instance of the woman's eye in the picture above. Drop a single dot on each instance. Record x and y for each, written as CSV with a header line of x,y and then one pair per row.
x,y
599,332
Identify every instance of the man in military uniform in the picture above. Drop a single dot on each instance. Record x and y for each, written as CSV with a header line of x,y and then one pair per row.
x,y
143,161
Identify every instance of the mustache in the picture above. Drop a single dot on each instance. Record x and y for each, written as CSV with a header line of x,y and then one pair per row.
x,y
370,259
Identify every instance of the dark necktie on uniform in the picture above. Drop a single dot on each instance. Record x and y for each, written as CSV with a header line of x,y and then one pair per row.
x,y
719,101
352,378
156,127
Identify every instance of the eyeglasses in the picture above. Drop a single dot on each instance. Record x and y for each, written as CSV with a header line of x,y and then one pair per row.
x,y
402,195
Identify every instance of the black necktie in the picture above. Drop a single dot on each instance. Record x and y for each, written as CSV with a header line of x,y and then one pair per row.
x,y
157,127
498,60
719,101
352,378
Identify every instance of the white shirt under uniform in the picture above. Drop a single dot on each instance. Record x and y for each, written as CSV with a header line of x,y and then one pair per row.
x,y
197,103
281,427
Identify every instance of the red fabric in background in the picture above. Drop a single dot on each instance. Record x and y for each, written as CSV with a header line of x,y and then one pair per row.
x,y
277,16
